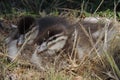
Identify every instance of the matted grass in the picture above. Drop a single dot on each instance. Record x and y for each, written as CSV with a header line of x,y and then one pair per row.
x,y
97,68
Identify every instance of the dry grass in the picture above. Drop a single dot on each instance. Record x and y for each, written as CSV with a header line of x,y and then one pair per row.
x,y
97,68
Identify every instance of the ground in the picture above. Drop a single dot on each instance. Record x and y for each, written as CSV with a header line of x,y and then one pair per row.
x,y
97,68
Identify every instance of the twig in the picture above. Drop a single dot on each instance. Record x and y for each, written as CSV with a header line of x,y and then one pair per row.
x,y
98,6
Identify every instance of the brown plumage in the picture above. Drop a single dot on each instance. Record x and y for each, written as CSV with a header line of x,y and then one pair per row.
x,y
49,26
25,24
52,34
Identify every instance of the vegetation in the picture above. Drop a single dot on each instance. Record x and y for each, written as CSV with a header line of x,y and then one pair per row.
x,y
48,6
99,68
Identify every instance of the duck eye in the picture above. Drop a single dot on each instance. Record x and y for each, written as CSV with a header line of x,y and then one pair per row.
x,y
44,40
54,38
